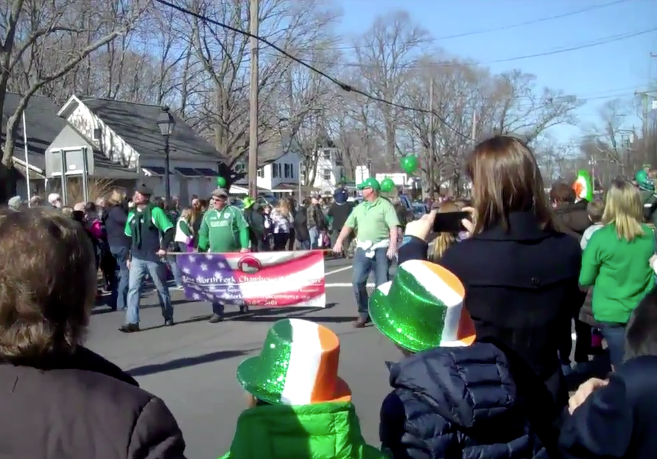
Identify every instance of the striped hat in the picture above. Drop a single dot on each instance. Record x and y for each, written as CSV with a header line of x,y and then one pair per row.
x,y
422,308
298,365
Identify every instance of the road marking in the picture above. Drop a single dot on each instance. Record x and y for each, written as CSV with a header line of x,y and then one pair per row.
x,y
338,271
345,284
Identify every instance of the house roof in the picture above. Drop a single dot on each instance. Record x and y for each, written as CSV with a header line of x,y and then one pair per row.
x,y
43,125
137,125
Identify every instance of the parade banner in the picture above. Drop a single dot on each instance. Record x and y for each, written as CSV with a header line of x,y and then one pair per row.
x,y
268,279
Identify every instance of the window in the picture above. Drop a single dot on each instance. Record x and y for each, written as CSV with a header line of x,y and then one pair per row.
x,y
326,154
275,170
289,170
261,172
240,168
326,174
338,158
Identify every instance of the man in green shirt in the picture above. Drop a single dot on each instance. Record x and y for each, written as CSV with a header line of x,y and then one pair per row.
x,y
223,229
151,232
376,224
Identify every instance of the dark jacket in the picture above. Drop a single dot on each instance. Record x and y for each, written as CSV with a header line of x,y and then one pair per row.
x,y
617,420
301,225
83,406
520,287
115,219
456,402
572,219
339,213
256,221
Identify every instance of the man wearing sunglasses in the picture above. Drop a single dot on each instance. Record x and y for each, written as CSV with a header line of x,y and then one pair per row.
x,y
223,230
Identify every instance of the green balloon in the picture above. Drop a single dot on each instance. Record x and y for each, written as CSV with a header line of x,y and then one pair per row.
x,y
221,182
409,164
387,185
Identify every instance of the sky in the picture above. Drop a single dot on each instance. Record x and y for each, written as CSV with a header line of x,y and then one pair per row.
x,y
597,73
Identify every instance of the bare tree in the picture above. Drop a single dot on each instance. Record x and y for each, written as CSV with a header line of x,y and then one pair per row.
x,y
385,54
42,41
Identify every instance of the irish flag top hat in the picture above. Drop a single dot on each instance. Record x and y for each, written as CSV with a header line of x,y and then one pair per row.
x,y
298,365
583,186
422,308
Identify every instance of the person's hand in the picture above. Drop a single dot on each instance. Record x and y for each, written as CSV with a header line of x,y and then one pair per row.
x,y
244,250
422,227
583,391
337,248
161,253
468,223
128,264
391,253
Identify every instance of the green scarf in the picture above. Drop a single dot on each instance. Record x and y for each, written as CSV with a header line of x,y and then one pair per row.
x,y
146,215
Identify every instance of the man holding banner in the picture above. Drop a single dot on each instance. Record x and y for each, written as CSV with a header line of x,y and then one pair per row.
x,y
223,230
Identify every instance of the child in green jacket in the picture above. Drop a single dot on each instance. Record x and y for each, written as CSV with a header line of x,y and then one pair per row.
x,y
298,406
616,261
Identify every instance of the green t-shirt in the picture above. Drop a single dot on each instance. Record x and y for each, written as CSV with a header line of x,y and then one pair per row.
x,y
158,216
373,220
146,235
223,230
619,270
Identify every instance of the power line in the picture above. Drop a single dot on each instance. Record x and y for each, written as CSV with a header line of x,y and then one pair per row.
x,y
511,26
594,43
344,86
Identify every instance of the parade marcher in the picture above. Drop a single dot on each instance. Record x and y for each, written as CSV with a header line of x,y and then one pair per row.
x,y
223,230
376,223
184,233
339,211
55,200
119,245
151,232
298,406
254,218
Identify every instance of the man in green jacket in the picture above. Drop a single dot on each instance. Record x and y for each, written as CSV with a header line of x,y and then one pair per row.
x,y
223,229
647,191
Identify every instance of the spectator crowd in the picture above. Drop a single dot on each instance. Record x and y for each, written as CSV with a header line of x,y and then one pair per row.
x,y
482,318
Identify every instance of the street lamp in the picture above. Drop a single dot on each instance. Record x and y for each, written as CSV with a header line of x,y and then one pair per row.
x,y
166,123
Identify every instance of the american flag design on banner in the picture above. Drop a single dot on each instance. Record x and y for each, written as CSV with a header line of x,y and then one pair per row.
x,y
268,279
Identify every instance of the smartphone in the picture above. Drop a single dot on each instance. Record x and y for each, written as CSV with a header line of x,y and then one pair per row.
x,y
450,222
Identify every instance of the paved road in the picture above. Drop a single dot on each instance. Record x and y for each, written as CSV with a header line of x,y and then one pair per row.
x,y
192,365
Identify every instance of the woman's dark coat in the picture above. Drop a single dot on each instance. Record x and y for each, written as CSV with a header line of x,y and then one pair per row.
x,y
81,406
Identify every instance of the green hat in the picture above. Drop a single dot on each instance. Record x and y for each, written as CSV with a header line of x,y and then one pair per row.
x,y
248,202
643,180
422,308
298,365
370,183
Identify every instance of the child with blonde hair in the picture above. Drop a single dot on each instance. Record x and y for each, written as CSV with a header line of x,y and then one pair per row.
x,y
444,239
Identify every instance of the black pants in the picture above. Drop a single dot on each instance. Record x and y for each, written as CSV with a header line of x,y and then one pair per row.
x,y
582,345
280,241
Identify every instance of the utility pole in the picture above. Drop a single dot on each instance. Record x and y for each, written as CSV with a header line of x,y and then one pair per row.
x,y
253,109
432,146
473,133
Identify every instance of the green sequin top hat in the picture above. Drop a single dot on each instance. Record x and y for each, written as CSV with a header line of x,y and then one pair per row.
x,y
422,308
298,365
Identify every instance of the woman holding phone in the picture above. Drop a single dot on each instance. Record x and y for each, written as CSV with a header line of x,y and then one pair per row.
x,y
520,273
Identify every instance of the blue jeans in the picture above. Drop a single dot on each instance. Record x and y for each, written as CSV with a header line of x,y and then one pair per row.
x,y
380,264
303,245
314,237
119,297
158,272
614,334
173,264
218,309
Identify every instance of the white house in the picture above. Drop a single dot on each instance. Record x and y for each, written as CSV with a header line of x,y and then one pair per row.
x,y
330,170
278,174
127,136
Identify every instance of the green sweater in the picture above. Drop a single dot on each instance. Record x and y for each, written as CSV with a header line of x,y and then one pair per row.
x,y
619,270
319,431
223,231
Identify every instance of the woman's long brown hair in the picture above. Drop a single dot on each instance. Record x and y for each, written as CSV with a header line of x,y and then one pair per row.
x,y
505,179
